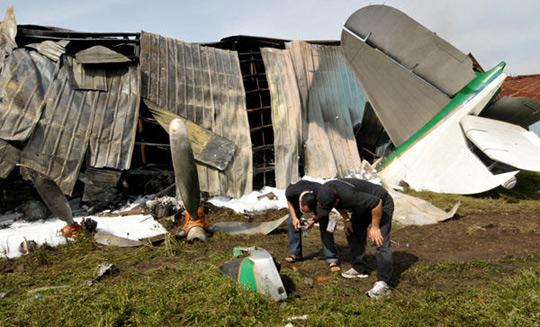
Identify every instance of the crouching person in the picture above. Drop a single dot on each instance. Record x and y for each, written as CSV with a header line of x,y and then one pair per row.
x,y
301,197
367,203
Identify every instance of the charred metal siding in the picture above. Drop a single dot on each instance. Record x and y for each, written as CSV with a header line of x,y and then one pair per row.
x,y
331,101
24,81
286,115
204,85
73,119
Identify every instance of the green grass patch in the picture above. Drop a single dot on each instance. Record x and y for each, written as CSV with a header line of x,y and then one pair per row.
x,y
178,284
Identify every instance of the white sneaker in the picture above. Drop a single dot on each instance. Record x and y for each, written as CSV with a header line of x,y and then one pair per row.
x,y
352,273
379,289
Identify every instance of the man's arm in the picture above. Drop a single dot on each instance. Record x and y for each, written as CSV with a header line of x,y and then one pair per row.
x,y
348,229
375,231
295,220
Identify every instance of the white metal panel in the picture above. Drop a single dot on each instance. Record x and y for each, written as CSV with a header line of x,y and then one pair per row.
x,y
504,142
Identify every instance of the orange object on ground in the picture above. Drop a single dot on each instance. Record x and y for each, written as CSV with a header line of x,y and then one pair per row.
x,y
73,230
321,279
197,222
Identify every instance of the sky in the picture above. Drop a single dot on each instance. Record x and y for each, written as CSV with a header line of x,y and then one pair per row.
x,y
492,30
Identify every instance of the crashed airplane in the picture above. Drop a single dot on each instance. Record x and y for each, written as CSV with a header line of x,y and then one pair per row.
x,y
435,108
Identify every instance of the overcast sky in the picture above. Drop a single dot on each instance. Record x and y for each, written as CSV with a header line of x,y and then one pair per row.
x,y
492,30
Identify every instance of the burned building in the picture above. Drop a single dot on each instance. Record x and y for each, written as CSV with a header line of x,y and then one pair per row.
x,y
78,107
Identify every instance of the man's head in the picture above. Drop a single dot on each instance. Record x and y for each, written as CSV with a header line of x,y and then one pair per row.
x,y
308,203
326,199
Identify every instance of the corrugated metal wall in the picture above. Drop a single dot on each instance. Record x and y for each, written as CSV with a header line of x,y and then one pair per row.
x,y
286,114
73,119
332,102
204,85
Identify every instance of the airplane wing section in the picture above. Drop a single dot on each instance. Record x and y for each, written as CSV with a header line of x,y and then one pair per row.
x,y
413,46
403,102
504,142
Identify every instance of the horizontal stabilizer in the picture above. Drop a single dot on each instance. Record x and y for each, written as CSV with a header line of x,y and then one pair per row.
x,y
504,142
522,111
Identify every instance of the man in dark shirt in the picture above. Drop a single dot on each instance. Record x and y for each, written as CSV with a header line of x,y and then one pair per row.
x,y
301,197
368,204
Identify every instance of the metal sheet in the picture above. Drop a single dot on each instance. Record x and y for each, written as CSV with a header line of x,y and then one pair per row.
x,y
403,102
73,119
9,157
286,114
24,81
204,85
522,111
84,77
100,55
50,49
8,32
413,46
115,123
504,142
329,93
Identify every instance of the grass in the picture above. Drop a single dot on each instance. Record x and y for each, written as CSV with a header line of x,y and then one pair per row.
x,y
178,284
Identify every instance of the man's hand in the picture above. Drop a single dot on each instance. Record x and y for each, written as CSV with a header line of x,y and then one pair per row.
x,y
348,228
309,224
296,223
375,236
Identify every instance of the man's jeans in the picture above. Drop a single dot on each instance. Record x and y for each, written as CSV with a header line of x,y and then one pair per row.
x,y
327,239
357,243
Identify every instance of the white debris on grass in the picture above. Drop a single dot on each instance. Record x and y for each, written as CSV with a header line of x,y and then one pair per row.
x,y
133,227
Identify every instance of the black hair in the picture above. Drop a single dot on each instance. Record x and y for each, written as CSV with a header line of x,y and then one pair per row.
x,y
310,201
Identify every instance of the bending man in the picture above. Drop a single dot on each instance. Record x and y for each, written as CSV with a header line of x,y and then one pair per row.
x,y
368,204
301,197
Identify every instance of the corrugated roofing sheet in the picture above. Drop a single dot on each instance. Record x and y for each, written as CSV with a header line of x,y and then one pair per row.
x,y
333,103
24,81
286,114
9,157
73,119
204,85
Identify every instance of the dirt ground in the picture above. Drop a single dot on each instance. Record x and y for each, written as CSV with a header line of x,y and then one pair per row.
x,y
474,237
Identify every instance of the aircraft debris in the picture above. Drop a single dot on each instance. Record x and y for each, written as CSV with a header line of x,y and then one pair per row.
x,y
237,227
28,246
105,238
103,270
259,272
46,288
423,89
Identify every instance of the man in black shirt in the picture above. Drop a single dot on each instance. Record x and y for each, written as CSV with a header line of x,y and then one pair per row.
x,y
369,204
301,197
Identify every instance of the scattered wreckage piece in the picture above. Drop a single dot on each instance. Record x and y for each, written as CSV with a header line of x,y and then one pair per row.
x,y
28,246
50,193
410,210
47,288
237,227
258,272
103,270
105,238
208,147
100,187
